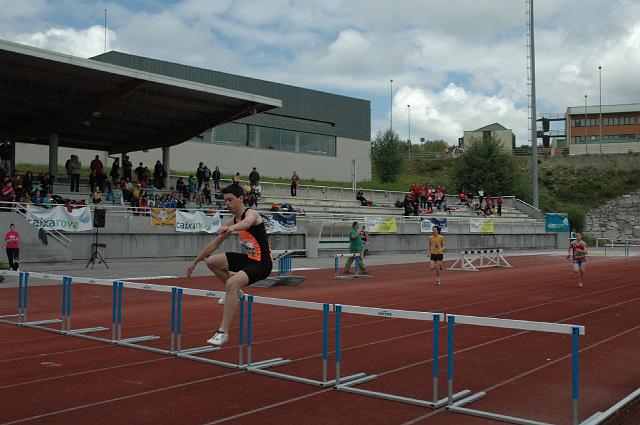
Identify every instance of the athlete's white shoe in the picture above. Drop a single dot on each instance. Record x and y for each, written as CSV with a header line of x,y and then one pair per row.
x,y
218,339
240,293
438,282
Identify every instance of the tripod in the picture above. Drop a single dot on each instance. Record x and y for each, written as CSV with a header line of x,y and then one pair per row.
x,y
95,254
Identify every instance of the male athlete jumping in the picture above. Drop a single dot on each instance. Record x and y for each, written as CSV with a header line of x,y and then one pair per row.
x,y
578,251
250,267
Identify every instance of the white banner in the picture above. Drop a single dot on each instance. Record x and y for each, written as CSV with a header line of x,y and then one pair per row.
x,y
58,218
280,223
381,224
197,222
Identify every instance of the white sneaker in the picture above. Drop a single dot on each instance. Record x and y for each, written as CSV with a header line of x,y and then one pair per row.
x,y
438,282
240,294
218,339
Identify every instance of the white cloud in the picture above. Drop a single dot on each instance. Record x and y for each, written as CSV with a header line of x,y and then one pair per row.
x,y
447,113
84,43
462,63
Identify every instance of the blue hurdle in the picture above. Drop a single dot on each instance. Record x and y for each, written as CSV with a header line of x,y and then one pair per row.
x,y
349,386
195,353
15,318
458,406
262,367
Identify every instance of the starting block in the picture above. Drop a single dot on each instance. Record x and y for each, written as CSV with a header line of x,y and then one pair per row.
x,y
475,259
355,275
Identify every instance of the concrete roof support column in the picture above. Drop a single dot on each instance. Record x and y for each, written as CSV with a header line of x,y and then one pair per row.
x,y
166,162
53,155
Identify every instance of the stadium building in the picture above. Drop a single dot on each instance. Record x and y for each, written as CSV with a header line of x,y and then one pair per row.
x,y
321,135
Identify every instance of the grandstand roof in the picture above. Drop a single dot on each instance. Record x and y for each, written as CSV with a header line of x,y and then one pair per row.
x,y
492,127
606,109
100,106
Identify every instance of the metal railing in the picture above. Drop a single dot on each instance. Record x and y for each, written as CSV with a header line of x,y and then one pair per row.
x,y
58,236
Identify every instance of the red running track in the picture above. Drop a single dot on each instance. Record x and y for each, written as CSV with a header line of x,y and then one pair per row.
x,y
53,379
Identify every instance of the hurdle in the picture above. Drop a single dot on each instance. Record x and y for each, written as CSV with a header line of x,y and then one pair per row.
x,y
349,386
459,406
600,417
476,259
23,303
262,367
135,342
355,275
284,259
195,353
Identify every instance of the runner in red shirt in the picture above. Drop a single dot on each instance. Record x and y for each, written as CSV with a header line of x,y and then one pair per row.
x,y
578,253
12,240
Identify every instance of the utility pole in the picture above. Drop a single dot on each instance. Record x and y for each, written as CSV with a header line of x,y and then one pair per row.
x,y
391,106
532,107
409,109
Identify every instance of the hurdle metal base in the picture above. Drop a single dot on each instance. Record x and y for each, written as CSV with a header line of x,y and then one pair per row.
x,y
600,417
349,387
86,330
193,354
458,407
262,368
134,343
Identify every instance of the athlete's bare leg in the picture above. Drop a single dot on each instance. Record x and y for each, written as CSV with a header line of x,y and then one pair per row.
x,y
219,266
233,285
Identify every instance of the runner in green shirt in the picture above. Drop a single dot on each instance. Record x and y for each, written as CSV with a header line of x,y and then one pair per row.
x,y
355,247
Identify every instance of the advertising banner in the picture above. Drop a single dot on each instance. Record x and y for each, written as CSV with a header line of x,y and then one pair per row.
x,y
556,223
481,225
197,222
58,218
426,225
161,217
381,225
280,223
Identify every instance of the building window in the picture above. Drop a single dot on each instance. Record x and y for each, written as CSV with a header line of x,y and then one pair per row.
x,y
288,140
269,138
486,136
326,145
226,134
308,143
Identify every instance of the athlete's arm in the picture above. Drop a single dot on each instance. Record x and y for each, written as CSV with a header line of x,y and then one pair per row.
x,y
430,243
569,252
209,249
444,246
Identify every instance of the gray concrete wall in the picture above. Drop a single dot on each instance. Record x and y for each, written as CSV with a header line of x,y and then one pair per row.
x,y
231,159
132,237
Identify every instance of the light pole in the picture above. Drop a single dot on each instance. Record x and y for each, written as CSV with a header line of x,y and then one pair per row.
x,y
409,109
600,129
586,123
391,106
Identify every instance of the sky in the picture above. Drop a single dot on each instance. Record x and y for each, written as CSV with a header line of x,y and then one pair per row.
x,y
460,64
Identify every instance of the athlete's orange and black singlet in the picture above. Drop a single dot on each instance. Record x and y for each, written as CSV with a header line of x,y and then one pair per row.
x,y
256,261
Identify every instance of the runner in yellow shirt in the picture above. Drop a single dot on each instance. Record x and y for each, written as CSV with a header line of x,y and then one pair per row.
x,y
437,246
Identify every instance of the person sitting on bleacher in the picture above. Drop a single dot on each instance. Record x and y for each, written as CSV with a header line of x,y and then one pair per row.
x,y
360,197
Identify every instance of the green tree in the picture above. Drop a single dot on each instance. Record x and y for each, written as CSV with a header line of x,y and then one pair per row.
x,y
486,166
386,155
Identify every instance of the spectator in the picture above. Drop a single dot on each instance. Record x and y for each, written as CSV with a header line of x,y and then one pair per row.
x,y
143,206
254,177
355,247
236,179
93,178
207,173
47,201
360,197
27,183
192,188
206,192
12,242
127,166
364,235
159,173
295,179
74,167
200,174
36,199
140,171
115,170
480,196
96,164
96,196
439,196
499,203
181,186
216,175
8,193
257,190
423,196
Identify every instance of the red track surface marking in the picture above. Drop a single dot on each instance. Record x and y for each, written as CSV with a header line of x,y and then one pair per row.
x,y
527,374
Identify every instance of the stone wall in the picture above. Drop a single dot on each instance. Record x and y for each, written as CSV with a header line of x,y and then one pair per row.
x,y
615,220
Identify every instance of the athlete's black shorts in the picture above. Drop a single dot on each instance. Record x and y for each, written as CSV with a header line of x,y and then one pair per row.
x,y
256,270
437,257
